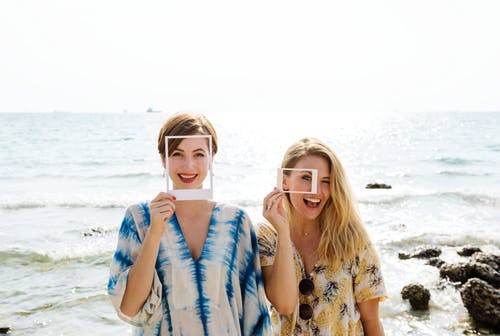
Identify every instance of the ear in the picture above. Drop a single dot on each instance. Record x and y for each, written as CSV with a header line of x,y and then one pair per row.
x,y
163,161
285,183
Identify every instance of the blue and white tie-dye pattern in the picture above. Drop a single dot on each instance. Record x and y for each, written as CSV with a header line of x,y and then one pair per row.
x,y
221,293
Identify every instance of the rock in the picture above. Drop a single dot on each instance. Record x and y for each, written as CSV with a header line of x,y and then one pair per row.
x,y
435,261
422,252
468,250
93,232
418,295
482,301
5,330
461,272
489,259
378,186
487,273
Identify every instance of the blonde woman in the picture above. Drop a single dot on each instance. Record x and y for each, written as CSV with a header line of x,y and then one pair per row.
x,y
321,273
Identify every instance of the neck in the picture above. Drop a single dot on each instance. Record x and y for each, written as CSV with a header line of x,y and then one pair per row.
x,y
191,208
305,227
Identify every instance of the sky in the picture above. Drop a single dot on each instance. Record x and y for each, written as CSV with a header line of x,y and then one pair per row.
x,y
259,58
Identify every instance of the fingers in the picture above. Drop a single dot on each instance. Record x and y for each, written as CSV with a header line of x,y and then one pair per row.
x,y
163,196
272,200
162,206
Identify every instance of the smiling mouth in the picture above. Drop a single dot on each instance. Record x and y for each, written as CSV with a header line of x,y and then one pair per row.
x,y
312,202
187,178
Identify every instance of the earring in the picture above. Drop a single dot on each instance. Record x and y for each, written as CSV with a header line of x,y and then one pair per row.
x,y
164,172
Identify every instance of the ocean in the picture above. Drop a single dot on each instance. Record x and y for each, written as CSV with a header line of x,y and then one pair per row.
x,y
66,179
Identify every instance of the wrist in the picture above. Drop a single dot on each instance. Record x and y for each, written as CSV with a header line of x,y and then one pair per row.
x,y
283,233
154,234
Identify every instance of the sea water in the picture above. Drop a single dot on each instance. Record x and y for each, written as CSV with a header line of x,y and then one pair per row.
x,y
66,179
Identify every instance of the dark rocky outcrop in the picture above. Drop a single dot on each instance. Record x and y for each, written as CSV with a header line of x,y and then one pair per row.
x,y
378,186
93,232
482,301
468,250
423,252
478,280
435,261
418,296
461,272
5,330
489,259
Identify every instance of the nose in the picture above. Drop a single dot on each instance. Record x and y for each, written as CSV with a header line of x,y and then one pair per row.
x,y
188,162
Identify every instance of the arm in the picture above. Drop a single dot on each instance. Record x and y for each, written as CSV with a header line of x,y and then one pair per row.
x,y
255,313
369,317
279,278
141,275
369,290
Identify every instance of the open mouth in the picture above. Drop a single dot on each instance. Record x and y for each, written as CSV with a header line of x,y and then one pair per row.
x,y
312,202
187,178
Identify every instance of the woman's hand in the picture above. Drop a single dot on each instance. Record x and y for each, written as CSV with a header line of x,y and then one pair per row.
x,y
274,212
162,207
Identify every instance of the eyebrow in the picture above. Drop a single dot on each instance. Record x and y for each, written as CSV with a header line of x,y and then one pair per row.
x,y
196,150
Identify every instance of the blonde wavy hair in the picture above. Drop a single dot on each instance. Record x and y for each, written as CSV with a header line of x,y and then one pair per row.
x,y
343,235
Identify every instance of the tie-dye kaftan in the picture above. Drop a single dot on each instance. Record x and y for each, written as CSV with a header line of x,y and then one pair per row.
x,y
221,293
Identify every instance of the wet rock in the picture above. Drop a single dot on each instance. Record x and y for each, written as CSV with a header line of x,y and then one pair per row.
x,y
489,259
486,273
435,261
422,252
418,295
461,272
5,330
468,250
482,301
378,186
93,232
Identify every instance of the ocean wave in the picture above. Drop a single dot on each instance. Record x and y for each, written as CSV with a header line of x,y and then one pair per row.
x,y
495,148
455,161
30,258
473,199
460,173
55,204
444,239
80,176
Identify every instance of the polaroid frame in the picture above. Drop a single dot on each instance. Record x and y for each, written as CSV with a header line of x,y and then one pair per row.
x,y
314,180
190,194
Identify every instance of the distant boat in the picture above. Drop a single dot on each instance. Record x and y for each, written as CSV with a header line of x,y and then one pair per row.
x,y
150,110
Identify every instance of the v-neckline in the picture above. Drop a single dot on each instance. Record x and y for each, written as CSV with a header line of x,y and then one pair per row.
x,y
302,265
183,239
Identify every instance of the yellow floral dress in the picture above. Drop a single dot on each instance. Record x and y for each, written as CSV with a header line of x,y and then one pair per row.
x,y
335,292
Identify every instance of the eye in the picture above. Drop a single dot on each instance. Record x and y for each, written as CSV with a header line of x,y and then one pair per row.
x,y
306,177
176,154
326,181
200,155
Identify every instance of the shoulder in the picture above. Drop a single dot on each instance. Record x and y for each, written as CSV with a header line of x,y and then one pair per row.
x,y
137,214
139,209
266,231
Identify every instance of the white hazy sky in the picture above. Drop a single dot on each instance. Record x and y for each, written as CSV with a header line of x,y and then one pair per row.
x,y
295,57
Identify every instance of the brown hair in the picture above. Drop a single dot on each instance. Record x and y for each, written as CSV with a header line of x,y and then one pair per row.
x,y
343,234
184,123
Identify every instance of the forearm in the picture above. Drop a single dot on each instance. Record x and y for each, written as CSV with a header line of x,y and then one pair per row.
x,y
370,318
140,277
281,284
373,328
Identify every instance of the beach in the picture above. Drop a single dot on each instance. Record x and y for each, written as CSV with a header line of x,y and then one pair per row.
x,y
67,178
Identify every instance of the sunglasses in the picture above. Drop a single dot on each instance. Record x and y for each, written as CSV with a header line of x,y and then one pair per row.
x,y
306,287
